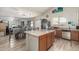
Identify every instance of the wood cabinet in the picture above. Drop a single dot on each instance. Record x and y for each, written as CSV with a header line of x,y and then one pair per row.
x,y
2,27
75,35
58,33
52,36
49,40
46,41
42,43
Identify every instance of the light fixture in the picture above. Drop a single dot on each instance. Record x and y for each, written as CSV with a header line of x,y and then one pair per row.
x,y
59,9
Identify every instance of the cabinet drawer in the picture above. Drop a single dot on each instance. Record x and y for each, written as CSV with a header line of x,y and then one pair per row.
x,y
43,36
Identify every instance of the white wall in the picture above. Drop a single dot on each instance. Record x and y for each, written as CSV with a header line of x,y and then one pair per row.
x,y
70,13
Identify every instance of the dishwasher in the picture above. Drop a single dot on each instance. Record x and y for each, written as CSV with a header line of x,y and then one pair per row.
x,y
66,35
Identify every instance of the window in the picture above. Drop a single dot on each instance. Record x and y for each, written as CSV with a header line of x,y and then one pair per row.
x,y
62,20
31,23
59,21
55,20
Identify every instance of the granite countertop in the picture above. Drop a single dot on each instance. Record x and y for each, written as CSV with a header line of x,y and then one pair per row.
x,y
66,29
39,32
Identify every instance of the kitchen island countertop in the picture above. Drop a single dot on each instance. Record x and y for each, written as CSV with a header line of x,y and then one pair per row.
x,y
38,32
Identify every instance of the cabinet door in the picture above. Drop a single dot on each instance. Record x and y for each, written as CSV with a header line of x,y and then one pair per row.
x,y
49,40
58,33
42,43
53,37
74,35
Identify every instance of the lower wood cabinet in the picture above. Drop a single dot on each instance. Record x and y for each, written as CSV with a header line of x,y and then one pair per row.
x,y
52,36
46,41
49,40
75,35
58,33
43,43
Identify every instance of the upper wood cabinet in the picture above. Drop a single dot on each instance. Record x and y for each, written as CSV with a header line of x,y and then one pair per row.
x,y
75,35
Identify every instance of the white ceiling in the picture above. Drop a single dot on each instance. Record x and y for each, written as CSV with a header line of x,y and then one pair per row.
x,y
22,11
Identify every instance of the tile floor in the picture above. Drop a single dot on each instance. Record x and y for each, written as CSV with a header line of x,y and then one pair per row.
x,y
64,45
12,45
20,45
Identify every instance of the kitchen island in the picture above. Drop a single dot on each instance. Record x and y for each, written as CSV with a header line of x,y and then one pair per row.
x,y
40,40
